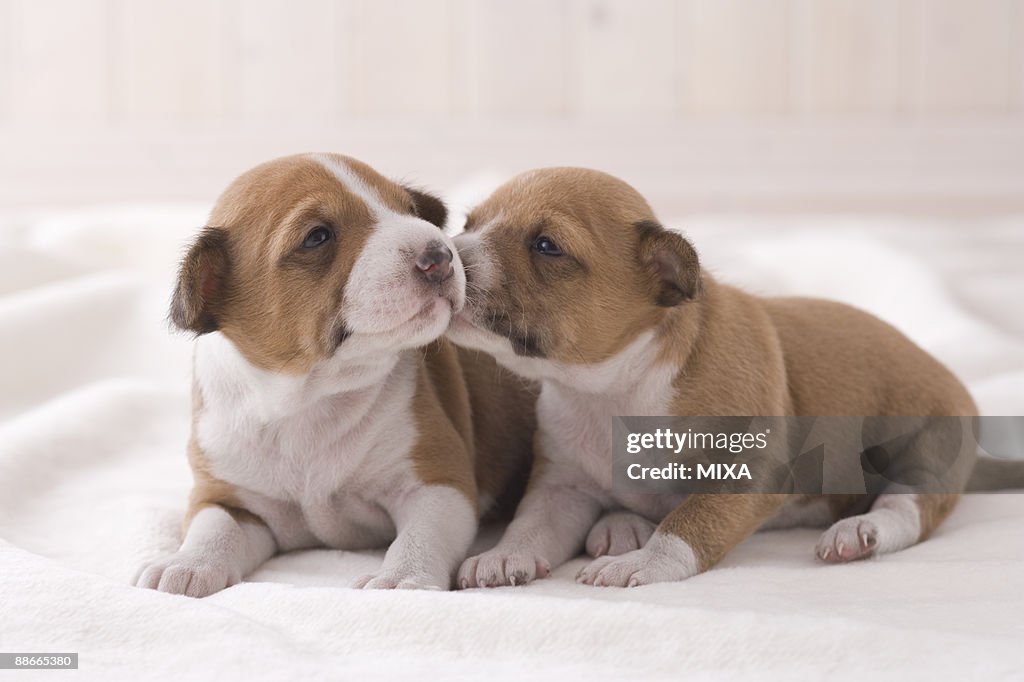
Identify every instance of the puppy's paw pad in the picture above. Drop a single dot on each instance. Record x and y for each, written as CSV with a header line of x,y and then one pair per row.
x,y
848,540
589,572
192,575
639,567
618,533
498,568
401,580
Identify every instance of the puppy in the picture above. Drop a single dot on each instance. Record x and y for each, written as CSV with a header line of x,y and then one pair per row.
x,y
326,412
574,283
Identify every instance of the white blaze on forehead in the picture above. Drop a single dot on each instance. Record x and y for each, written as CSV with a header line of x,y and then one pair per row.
x,y
353,183
384,293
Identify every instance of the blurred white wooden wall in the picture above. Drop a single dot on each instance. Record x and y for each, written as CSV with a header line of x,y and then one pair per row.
x,y
91,61
81,70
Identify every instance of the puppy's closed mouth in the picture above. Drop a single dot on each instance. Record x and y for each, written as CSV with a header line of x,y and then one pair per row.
x,y
499,323
430,308
412,323
526,345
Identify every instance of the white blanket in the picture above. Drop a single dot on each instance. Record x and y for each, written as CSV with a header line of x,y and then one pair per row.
x,y
93,480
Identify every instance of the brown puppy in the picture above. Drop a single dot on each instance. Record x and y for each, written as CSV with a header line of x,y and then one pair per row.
x,y
326,412
572,281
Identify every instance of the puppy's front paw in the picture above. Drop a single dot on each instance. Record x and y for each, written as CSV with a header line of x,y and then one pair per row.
x,y
617,533
499,567
402,579
848,539
663,559
192,575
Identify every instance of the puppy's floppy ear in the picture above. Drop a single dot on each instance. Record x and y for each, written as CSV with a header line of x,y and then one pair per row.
x,y
672,262
202,283
428,207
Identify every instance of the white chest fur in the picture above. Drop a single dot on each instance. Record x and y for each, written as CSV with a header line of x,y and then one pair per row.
x,y
320,457
575,412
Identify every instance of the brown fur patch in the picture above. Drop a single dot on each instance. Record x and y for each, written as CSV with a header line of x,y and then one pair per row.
x,y
476,424
713,524
443,453
842,506
504,421
753,356
933,510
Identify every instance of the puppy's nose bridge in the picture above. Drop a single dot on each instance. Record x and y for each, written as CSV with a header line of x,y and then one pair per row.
x,y
435,262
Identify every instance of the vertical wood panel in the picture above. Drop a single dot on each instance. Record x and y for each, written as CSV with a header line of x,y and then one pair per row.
x,y
966,57
738,60
512,56
911,39
59,60
468,53
399,55
202,61
1017,41
170,61
6,50
288,60
625,56
853,56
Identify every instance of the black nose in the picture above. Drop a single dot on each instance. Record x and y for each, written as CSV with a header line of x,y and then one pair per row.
x,y
435,262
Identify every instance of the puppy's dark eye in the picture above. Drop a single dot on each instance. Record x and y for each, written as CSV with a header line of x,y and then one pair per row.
x,y
546,246
318,236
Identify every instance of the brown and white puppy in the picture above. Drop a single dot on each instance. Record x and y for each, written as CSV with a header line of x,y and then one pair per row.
x,y
326,412
574,283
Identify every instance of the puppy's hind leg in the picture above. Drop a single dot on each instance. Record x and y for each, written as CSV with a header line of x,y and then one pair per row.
x,y
939,459
894,522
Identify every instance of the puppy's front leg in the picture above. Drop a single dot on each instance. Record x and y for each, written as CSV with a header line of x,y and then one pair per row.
x,y
549,527
221,547
435,525
691,539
